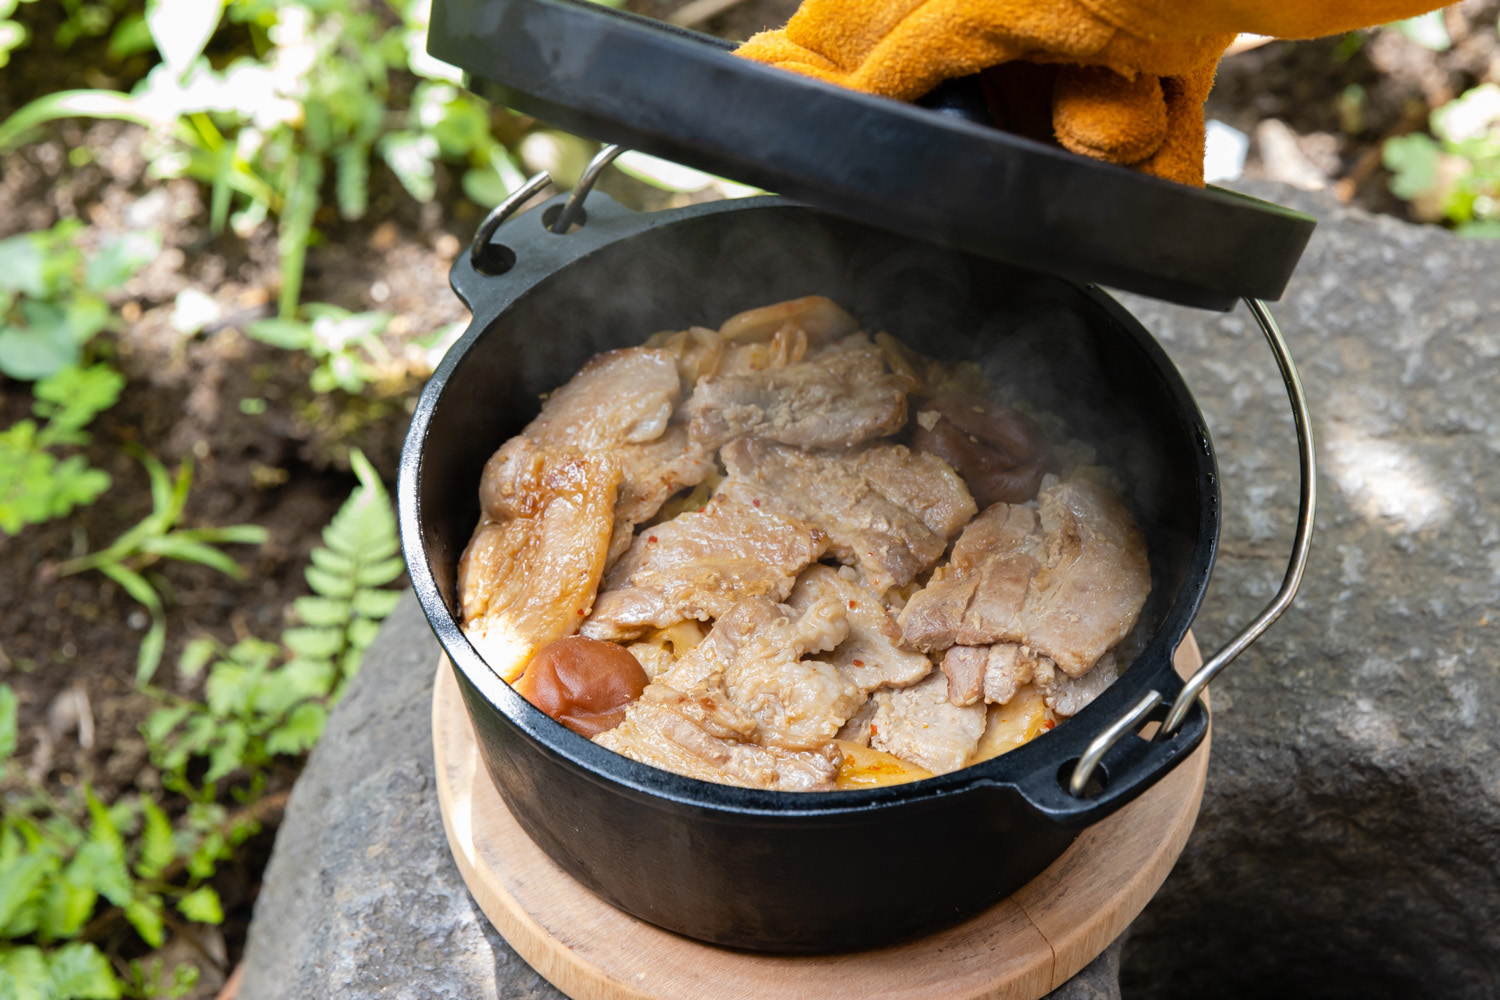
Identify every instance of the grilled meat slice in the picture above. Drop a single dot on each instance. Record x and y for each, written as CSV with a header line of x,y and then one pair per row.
x,y
699,564
530,572
869,656
1066,576
921,725
886,510
837,398
621,404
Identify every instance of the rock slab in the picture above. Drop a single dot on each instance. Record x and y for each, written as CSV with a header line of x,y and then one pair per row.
x,y
1349,840
362,899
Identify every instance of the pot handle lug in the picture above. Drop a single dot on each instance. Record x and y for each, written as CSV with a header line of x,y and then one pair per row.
x,y
1187,698
534,185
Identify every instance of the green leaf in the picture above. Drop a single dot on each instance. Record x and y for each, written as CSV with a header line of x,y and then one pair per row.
x,y
175,546
376,604
65,909
101,867
9,728
76,395
313,643
195,656
161,722
145,916
202,906
133,584
362,632
148,656
80,971
332,559
44,347
381,572
323,611
22,266
301,730
410,156
327,583
229,754
18,880
119,258
1414,161
203,861
24,974
230,688
290,334
157,848
131,37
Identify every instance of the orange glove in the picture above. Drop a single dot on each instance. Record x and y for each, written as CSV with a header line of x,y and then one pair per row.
x,y
1124,80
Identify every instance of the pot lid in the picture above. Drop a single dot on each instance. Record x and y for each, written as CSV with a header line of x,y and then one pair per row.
x,y
925,171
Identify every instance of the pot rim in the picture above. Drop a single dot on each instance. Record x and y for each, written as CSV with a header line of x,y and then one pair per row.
x,y
1055,750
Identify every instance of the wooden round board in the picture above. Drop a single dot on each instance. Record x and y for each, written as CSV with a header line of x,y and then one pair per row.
x,y
1020,949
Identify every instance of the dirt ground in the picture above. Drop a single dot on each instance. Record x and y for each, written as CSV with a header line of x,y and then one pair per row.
x,y
68,644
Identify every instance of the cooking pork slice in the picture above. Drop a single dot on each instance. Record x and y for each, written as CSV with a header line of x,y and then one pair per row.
x,y
699,564
886,510
1069,695
835,399
754,653
621,404
743,707
1066,575
659,730
919,724
529,574
869,656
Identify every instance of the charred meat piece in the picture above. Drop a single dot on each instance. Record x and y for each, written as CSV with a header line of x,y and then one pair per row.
x,y
885,510
921,725
699,564
997,450
530,572
838,398
1066,576
869,656
621,404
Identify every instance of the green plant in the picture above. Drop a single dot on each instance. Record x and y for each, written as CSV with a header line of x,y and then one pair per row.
x,y
345,345
52,298
1453,174
59,858
260,705
154,538
36,486
314,102
13,34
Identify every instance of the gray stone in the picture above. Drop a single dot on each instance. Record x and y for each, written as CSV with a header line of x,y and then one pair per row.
x,y
1349,841
362,899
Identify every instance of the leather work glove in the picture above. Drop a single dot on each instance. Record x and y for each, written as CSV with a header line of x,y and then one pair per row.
x,y
1117,80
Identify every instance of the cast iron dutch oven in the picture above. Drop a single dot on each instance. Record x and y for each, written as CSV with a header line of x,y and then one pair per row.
x,y
828,871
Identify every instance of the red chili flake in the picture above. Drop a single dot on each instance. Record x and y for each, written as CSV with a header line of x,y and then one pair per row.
x,y
1048,724
755,503
703,508
858,663
650,538
853,605
580,611
873,730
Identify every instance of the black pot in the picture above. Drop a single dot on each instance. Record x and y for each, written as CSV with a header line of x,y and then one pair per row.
x,y
782,871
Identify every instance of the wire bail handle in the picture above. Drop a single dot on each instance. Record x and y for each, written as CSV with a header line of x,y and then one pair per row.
x,y
1301,544
572,209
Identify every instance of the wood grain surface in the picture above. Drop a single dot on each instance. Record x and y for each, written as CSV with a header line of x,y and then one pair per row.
x,y
1019,949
